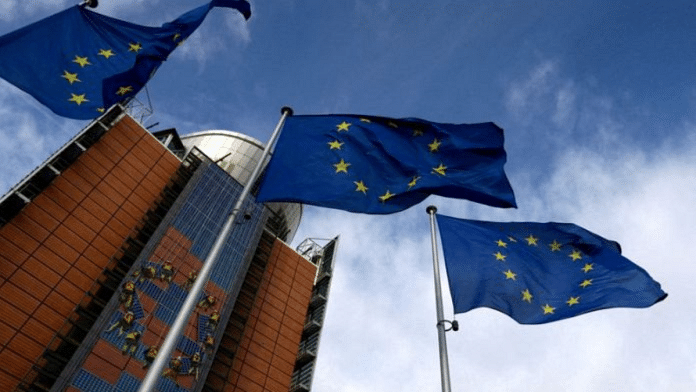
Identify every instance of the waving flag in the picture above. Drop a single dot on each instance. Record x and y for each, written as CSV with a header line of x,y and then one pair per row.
x,y
539,272
379,165
78,62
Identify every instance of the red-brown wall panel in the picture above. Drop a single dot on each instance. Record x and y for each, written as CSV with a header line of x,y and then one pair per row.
x,y
54,249
265,359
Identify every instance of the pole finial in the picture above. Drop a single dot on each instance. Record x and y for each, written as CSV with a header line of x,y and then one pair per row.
x,y
286,109
431,210
90,3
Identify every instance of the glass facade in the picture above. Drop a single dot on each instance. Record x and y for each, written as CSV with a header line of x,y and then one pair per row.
x,y
238,154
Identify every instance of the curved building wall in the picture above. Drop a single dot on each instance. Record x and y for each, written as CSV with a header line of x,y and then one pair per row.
x,y
238,154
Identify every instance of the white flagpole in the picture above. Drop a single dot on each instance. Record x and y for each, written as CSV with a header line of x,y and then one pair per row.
x,y
444,362
177,329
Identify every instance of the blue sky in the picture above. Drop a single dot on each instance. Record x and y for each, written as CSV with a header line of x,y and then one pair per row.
x,y
597,101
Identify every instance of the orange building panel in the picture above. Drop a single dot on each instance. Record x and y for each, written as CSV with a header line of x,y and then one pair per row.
x,y
33,213
81,230
38,291
85,265
12,316
25,346
12,253
59,244
12,364
52,204
265,359
7,381
110,354
101,368
49,317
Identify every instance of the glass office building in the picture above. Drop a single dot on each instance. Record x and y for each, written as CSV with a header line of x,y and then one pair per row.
x,y
100,245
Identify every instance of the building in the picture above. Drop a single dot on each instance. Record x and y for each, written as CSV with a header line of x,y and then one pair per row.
x,y
99,245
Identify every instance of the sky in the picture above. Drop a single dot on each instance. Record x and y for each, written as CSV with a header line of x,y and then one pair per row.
x,y
597,102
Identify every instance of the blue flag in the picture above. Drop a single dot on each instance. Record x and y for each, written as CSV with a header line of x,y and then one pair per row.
x,y
379,165
539,272
78,62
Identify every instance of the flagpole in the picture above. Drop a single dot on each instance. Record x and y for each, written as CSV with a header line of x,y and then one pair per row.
x,y
177,329
444,362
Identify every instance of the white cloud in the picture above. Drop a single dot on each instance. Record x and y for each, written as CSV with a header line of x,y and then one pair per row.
x,y
27,138
118,9
8,10
239,28
522,96
22,147
214,36
556,107
14,9
565,105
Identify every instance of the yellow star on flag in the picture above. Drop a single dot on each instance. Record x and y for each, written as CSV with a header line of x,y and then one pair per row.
x,y
417,132
82,61
575,255
176,37
548,309
586,283
360,187
335,145
510,275
341,166
434,146
134,47
440,169
499,256
343,126
573,301
587,268
527,296
78,99
413,182
386,196
531,240
365,120
70,77
124,90
502,244
106,53
555,246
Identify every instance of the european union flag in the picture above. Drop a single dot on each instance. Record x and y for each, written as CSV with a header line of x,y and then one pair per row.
x,y
379,165
539,272
78,62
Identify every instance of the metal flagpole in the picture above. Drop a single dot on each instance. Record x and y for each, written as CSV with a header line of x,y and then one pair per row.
x,y
177,329
444,362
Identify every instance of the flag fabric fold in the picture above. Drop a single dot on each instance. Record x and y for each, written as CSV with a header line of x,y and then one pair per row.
x,y
539,272
78,62
380,165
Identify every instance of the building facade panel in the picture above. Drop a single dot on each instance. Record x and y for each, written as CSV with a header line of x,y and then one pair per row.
x,y
268,347
161,279
46,240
